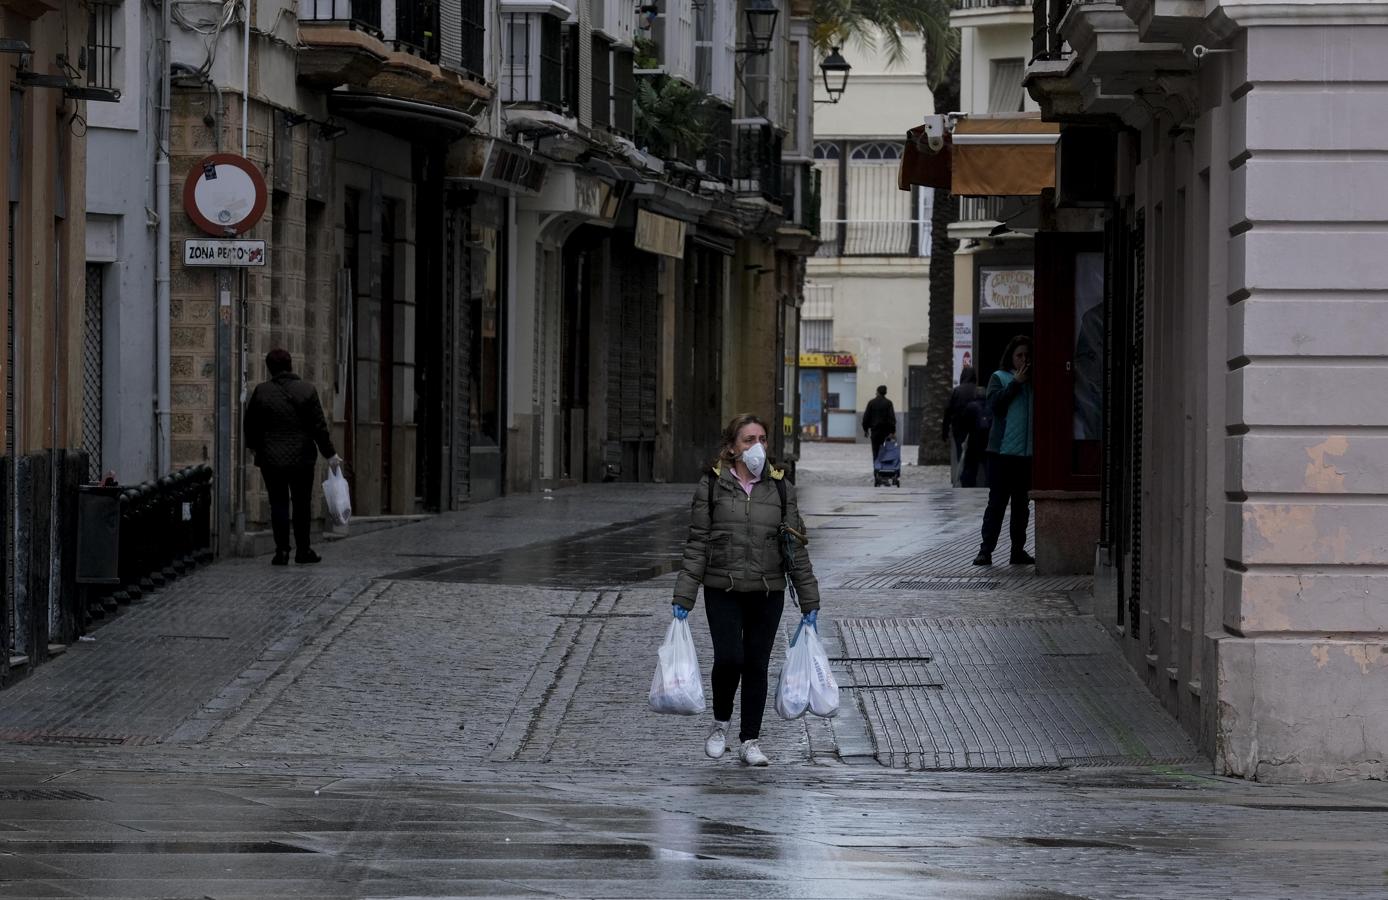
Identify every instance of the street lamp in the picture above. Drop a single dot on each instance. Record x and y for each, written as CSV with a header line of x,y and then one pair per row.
x,y
835,70
761,24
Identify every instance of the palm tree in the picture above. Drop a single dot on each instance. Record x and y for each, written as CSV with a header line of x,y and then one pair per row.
x,y
865,22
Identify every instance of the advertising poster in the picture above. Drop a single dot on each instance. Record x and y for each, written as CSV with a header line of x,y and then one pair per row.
x,y
963,344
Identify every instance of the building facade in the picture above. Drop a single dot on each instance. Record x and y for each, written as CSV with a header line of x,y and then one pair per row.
x,y
47,322
867,286
1215,180
994,263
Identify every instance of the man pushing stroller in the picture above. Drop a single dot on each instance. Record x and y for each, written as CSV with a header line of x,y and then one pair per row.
x,y
879,425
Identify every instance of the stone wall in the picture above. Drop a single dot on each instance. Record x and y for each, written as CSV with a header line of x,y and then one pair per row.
x,y
290,302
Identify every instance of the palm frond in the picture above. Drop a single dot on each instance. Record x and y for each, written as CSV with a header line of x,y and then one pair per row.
x,y
865,22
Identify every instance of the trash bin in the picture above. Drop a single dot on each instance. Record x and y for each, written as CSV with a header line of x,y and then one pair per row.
x,y
98,534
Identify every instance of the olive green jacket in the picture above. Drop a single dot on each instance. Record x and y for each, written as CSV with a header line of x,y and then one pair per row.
x,y
736,545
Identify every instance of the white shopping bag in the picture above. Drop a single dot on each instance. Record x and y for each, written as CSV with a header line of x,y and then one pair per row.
x,y
824,690
806,684
338,497
677,687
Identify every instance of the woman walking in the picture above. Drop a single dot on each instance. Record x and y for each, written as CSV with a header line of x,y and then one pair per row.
x,y
745,537
1009,453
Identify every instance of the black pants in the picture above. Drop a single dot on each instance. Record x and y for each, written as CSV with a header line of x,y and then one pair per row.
x,y
284,483
972,458
879,437
744,627
1009,480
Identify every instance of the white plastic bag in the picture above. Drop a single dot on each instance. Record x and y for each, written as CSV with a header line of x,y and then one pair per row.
x,y
806,684
677,688
338,497
824,690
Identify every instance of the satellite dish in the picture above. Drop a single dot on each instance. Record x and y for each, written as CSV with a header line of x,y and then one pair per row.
x,y
224,194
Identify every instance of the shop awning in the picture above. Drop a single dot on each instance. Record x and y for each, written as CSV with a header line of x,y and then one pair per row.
x,y
986,156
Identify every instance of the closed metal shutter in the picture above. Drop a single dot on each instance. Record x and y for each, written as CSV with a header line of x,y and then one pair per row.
x,y
633,345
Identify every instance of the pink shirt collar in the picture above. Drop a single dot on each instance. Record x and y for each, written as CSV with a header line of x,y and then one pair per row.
x,y
745,485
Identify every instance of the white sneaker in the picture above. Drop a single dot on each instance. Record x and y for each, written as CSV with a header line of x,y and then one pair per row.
x,y
752,755
717,740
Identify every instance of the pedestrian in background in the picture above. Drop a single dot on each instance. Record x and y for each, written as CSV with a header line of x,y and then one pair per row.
x,y
284,425
957,422
1009,452
745,537
879,420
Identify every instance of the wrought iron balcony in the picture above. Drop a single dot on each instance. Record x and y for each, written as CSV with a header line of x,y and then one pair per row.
x,y
800,205
718,153
986,4
361,14
757,161
980,209
1046,41
533,71
867,238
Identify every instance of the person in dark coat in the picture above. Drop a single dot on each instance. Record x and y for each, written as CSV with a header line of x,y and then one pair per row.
x,y
955,422
284,426
879,420
964,419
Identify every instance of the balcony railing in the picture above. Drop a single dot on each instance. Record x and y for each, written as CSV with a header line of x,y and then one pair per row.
x,y
534,68
1046,42
800,205
474,27
859,238
718,153
361,14
757,161
417,28
986,4
602,81
623,93
980,209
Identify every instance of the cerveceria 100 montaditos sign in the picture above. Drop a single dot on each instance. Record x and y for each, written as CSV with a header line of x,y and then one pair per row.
x,y
223,253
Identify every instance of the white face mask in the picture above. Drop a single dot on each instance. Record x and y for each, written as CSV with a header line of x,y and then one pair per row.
x,y
754,458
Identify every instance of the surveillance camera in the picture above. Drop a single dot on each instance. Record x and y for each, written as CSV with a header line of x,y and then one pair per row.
x,y
935,127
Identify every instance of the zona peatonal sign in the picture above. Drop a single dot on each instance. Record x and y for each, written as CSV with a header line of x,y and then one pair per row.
x,y
198,252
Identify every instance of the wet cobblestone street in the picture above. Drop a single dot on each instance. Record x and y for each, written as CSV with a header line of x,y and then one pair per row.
x,y
457,708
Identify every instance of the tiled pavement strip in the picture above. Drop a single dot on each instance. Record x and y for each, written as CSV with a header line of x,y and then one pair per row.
x,y
340,734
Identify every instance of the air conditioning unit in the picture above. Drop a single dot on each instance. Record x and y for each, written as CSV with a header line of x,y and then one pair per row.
x,y
497,163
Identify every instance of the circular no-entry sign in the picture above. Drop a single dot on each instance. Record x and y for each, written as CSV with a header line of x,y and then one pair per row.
x,y
224,194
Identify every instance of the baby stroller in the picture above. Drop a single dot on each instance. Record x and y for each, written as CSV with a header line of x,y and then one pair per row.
x,y
886,469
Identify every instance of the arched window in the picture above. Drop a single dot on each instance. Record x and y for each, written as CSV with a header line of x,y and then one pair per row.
x,y
826,150
877,151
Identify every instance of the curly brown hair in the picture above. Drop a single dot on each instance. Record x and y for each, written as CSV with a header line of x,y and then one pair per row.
x,y
726,453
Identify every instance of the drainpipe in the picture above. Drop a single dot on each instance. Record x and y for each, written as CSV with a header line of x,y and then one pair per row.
x,y
163,456
245,75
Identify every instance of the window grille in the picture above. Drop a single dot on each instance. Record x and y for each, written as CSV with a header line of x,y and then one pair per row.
x,y
551,61
602,82
103,20
623,92
474,24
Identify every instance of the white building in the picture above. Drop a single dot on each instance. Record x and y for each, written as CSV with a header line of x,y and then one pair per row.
x,y
867,288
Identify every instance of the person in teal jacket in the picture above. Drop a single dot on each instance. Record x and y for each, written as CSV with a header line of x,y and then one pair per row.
x,y
1010,393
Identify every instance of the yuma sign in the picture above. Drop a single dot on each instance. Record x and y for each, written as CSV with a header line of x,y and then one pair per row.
x,y
223,253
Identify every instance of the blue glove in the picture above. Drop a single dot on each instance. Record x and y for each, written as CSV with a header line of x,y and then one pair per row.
x,y
810,618
680,612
